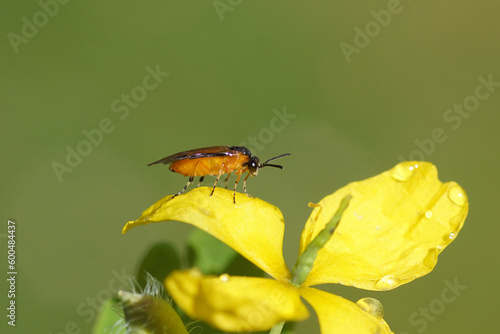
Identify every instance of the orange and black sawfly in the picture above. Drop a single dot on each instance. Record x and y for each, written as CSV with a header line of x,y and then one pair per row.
x,y
216,160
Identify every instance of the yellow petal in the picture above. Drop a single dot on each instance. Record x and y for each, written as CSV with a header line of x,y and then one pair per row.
x,y
252,227
339,315
235,304
393,230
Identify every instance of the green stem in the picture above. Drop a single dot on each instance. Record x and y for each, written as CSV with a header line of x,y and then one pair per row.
x,y
277,328
305,262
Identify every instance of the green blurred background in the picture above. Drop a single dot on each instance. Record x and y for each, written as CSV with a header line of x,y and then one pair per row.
x,y
233,67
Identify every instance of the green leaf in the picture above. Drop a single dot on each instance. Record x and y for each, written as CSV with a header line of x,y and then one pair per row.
x,y
108,320
289,328
160,260
242,267
211,256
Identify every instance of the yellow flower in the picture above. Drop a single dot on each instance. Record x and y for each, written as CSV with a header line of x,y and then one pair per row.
x,y
392,232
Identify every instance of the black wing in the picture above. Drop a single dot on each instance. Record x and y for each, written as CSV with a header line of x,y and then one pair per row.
x,y
205,152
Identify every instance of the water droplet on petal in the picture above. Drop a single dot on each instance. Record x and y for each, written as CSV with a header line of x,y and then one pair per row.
x,y
371,306
428,214
224,277
403,171
457,195
387,283
452,235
